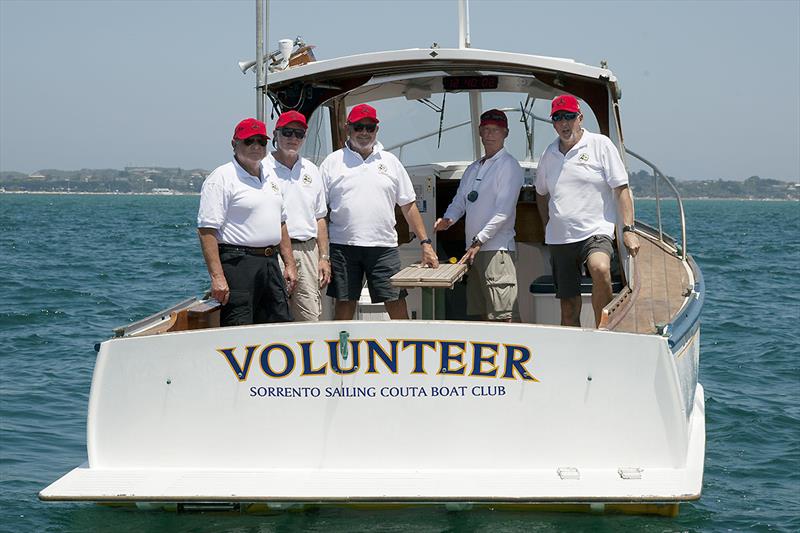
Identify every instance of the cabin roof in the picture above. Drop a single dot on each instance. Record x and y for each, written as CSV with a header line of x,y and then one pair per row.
x,y
449,60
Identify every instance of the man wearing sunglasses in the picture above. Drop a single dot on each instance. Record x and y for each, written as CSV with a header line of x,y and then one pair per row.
x,y
488,194
582,193
241,222
363,184
304,196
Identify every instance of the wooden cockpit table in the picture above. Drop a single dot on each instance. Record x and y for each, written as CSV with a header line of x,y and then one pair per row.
x,y
429,279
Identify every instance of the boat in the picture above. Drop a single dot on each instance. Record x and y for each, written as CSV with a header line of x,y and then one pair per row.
x,y
438,409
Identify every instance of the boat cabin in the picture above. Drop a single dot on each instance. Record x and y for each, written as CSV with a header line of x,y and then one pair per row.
x,y
429,102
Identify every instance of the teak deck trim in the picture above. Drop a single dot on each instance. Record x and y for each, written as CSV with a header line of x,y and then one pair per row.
x,y
659,291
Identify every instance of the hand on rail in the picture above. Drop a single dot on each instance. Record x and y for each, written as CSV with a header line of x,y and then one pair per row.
x,y
631,241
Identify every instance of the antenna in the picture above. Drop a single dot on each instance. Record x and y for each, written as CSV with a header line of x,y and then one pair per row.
x,y
463,24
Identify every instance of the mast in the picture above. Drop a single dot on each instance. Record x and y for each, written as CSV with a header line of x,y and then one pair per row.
x,y
474,96
262,15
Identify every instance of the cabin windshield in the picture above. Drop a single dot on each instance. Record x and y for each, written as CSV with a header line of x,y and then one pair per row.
x,y
410,129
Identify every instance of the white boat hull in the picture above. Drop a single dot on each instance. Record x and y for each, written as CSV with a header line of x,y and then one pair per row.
x,y
524,413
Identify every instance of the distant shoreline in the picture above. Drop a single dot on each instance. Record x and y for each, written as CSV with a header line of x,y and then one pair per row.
x,y
86,193
177,193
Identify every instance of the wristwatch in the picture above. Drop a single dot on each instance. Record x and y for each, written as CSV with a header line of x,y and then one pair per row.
x,y
425,241
325,257
628,228
476,241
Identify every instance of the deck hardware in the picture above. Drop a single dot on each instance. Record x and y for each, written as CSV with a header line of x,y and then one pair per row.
x,y
205,507
588,378
568,472
626,472
169,381
344,337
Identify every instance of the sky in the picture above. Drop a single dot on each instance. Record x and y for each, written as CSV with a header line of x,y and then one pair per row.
x,y
711,89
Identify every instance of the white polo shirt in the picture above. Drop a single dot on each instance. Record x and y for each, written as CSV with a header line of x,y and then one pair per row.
x,y
303,194
245,210
580,185
362,195
491,217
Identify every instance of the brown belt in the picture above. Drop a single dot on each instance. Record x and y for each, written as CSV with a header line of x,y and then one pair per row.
x,y
266,251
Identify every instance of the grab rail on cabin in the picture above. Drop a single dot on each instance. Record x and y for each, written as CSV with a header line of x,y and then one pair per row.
x,y
400,146
658,174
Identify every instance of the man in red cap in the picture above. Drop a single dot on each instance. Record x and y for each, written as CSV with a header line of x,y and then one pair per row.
x,y
487,194
241,222
582,194
363,184
304,196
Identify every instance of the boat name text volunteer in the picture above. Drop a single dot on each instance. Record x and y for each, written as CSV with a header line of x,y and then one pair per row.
x,y
368,356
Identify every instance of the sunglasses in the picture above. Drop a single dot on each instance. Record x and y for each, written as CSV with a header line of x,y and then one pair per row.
x,y
358,126
254,139
289,132
558,117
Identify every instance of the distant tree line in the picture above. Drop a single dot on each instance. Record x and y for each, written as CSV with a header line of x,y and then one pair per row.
x,y
129,180
161,179
643,186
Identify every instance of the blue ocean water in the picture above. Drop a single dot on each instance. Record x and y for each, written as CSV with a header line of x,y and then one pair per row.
x,y
73,267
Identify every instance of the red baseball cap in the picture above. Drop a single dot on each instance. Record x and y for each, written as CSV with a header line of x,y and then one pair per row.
x,y
249,127
362,111
291,116
494,116
565,102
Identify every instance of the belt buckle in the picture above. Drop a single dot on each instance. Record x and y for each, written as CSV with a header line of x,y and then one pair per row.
x,y
269,250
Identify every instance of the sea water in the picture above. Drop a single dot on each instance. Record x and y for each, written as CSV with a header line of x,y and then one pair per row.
x,y
75,266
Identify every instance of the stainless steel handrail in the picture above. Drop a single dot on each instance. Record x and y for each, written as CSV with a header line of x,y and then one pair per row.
x,y
124,331
656,174
454,126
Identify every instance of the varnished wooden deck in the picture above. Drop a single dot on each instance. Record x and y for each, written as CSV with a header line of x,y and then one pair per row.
x,y
662,281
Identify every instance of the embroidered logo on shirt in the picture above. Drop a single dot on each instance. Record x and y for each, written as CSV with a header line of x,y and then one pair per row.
x,y
382,168
584,157
306,179
274,186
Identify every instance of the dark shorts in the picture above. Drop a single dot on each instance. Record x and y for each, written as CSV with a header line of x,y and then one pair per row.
x,y
568,260
257,289
349,265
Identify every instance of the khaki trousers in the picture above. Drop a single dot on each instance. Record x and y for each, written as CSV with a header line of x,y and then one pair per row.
x,y
305,303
